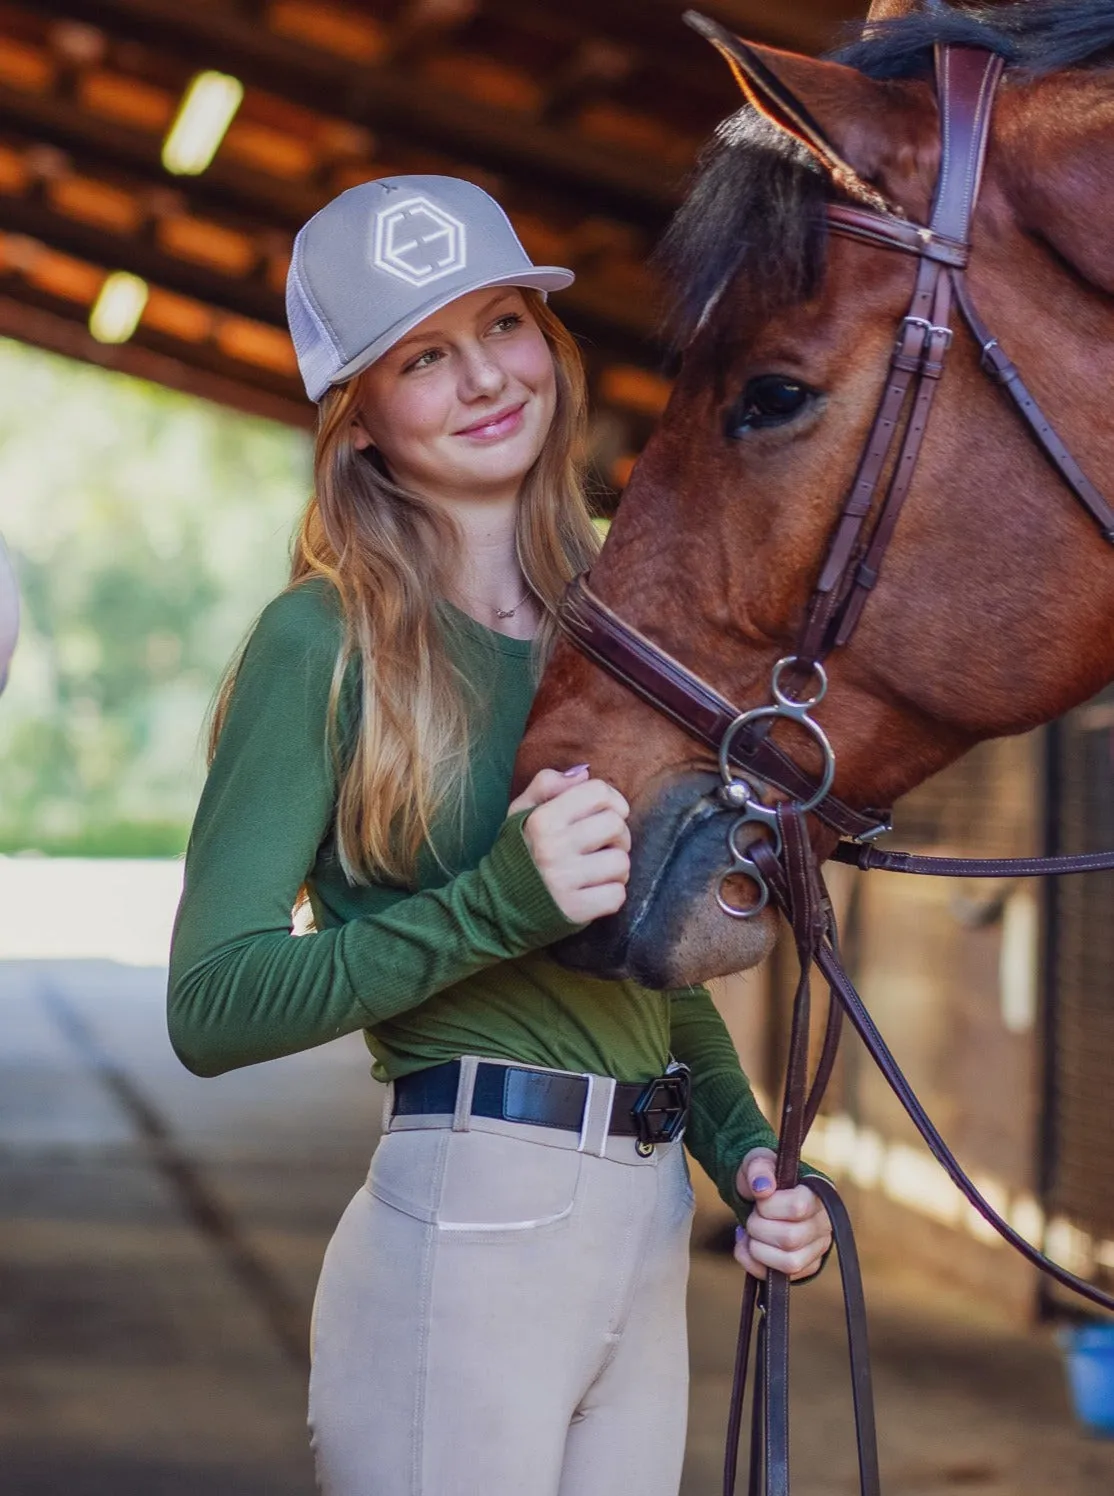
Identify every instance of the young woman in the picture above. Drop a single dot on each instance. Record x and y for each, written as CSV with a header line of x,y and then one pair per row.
x,y
501,1309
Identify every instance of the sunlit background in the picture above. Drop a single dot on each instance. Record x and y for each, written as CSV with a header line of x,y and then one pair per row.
x,y
149,530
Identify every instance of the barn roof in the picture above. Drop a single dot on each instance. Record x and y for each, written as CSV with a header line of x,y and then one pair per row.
x,y
582,116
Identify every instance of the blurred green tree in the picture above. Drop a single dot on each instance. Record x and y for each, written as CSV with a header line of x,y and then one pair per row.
x,y
147,530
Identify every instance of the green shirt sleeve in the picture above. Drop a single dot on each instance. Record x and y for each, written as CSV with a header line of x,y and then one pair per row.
x,y
726,1121
242,987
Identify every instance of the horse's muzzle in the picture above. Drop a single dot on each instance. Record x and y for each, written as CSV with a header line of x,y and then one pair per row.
x,y
671,931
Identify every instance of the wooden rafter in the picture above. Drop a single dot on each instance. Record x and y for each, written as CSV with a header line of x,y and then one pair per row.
x,y
241,295
653,30
582,173
580,116
591,306
95,143
626,328
48,322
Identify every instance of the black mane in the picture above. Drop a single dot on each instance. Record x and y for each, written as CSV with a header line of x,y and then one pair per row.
x,y
1034,36
753,205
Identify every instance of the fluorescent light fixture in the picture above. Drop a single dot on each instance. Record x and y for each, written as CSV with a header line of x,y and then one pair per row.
x,y
118,307
205,113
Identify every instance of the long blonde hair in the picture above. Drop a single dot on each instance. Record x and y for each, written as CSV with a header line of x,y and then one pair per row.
x,y
389,554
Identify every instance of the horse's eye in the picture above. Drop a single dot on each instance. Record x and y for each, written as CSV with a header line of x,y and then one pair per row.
x,y
769,400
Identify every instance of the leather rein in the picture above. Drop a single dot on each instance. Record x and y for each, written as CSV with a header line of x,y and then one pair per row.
x,y
770,845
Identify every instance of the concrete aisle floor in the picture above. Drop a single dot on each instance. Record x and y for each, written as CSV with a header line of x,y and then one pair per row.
x,y
160,1238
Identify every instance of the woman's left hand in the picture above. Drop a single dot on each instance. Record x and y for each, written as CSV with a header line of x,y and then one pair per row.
x,y
788,1230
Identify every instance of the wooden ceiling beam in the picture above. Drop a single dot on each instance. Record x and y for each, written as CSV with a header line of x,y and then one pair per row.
x,y
815,27
425,24
593,68
243,297
811,27
94,143
594,178
46,322
653,30
591,312
589,317
590,309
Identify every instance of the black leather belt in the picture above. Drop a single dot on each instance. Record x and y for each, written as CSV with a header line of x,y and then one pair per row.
x,y
653,1113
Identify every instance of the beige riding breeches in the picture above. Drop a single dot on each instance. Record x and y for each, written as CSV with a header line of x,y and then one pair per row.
x,y
501,1312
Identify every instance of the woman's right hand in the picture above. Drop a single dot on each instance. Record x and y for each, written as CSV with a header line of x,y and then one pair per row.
x,y
577,835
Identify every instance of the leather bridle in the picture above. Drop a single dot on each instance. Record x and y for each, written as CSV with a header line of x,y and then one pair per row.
x,y
781,861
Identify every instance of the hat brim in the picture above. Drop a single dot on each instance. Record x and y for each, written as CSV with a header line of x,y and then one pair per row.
x,y
542,278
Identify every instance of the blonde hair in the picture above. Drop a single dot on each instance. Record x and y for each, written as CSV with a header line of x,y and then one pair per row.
x,y
389,554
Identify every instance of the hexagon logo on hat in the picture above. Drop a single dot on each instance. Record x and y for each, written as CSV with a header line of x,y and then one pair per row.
x,y
418,242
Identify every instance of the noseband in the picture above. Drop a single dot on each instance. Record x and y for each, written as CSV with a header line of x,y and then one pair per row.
x,y
770,845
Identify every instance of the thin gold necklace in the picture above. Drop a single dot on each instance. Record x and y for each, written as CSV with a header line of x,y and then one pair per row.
x,y
499,612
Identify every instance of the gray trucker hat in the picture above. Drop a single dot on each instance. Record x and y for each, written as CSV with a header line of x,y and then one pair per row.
x,y
383,256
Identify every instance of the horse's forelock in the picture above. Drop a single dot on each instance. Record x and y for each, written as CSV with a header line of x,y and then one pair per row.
x,y
1034,36
752,208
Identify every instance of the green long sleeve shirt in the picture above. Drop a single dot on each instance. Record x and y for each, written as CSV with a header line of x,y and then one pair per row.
x,y
456,965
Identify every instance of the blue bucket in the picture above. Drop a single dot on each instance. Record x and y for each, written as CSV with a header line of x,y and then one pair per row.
x,y
1089,1350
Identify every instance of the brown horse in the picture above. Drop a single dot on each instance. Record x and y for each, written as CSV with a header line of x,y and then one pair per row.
x,y
994,610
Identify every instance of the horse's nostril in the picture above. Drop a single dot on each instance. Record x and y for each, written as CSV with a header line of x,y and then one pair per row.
x,y
740,891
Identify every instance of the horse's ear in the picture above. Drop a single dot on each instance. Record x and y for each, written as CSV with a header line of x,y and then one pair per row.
x,y
778,85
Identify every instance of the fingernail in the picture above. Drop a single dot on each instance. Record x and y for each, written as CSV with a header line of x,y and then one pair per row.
x,y
762,1183
578,770
740,1234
